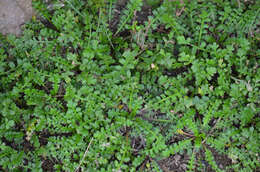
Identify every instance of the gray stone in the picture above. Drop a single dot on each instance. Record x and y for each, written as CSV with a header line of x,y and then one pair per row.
x,y
13,14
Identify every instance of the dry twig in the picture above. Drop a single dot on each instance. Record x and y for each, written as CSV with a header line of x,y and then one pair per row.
x,y
84,155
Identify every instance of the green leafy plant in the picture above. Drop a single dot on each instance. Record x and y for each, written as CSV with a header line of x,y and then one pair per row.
x,y
78,96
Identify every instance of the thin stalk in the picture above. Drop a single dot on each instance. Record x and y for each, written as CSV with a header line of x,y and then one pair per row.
x,y
76,10
107,34
121,27
201,28
110,11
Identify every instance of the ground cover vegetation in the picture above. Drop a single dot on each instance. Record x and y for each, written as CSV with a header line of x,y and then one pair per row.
x,y
96,86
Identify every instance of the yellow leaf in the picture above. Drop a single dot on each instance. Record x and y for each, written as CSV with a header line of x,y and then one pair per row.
x,y
120,106
200,91
180,131
33,18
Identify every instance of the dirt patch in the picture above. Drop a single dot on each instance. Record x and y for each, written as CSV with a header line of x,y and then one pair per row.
x,y
140,16
175,163
48,164
180,162
221,160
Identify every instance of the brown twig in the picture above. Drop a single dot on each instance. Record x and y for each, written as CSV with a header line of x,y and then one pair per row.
x,y
85,154
211,131
238,2
179,12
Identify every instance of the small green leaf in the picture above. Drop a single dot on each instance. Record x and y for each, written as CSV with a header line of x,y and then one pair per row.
x,y
181,40
211,70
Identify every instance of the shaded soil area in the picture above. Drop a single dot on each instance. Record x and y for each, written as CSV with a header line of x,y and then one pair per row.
x,y
179,162
139,16
47,163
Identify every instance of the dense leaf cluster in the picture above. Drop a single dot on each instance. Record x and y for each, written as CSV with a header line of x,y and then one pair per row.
x,y
75,95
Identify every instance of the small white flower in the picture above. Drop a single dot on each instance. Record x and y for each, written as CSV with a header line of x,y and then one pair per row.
x,y
105,144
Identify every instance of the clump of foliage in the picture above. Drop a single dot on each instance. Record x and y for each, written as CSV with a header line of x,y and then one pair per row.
x,y
77,96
